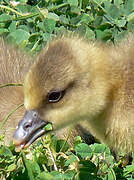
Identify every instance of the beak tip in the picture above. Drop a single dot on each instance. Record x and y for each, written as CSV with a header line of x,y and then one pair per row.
x,y
15,142
18,145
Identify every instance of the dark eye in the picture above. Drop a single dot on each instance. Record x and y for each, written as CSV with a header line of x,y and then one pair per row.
x,y
55,96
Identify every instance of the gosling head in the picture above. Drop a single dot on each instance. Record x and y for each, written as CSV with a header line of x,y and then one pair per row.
x,y
63,87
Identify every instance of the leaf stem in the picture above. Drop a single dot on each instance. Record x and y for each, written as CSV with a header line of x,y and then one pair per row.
x,y
10,9
52,158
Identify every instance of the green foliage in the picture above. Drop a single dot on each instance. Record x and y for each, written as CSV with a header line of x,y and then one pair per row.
x,y
47,160
29,24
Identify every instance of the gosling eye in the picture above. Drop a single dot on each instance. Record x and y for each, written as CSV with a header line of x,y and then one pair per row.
x,y
55,96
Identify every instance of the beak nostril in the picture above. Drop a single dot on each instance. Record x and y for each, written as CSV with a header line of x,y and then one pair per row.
x,y
27,126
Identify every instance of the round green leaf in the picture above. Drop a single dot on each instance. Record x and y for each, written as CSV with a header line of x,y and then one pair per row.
x,y
19,36
83,150
11,167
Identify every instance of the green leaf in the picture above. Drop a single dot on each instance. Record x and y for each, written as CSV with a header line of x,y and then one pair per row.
x,y
100,2
112,10
100,148
19,36
53,16
130,25
35,167
41,158
63,19
129,6
5,151
57,1
85,31
23,1
97,21
60,29
54,175
24,8
83,150
28,166
104,25
118,2
120,23
119,35
75,10
128,169
72,158
12,26
34,37
24,27
41,26
44,176
111,174
49,25
85,18
46,37
130,16
87,166
5,17
104,35
3,31
87,170
90,34
11,167
60,144
77,140
69,174
85,3
73,2
57,175
48,127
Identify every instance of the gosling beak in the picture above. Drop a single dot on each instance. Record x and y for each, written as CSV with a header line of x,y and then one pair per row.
x,y
29,129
